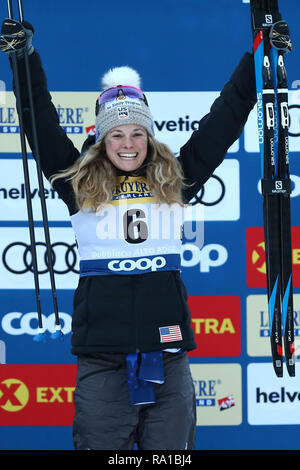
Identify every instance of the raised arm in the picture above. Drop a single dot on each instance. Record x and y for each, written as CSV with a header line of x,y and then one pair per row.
x,y
56,150
219,129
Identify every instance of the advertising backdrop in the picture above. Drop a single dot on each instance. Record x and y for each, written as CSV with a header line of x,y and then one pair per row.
x,y
185,52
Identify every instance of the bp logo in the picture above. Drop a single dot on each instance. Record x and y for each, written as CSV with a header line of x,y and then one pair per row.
x,y
14,395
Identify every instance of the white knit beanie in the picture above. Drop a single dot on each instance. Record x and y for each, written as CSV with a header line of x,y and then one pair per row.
x,y
122,102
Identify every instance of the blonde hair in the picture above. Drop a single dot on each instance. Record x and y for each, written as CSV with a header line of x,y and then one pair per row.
x,y
94,177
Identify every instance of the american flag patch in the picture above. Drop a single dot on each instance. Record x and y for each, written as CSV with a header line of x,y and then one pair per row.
x,y
170,333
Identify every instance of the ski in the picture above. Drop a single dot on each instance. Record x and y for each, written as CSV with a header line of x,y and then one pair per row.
x,y
270,42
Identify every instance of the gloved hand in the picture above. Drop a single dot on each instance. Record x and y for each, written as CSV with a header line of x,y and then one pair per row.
x,y
16,37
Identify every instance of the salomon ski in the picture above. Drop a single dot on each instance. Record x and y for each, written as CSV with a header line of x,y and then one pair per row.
x,y
270,41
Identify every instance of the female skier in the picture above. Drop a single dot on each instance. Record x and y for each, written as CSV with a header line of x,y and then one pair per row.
x,y
131,324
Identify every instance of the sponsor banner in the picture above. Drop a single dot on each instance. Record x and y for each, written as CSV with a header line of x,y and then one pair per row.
x,y
251,133
219,198
75,112
176,116
221,193
211,256
37,395
256,260
19,325
16,265
272,400
13,196
258,333
218,389
216,321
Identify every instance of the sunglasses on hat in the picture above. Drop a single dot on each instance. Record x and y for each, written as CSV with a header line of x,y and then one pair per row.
x,y
119,93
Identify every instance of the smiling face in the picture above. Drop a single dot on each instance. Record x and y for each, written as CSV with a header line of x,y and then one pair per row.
x,y
126,146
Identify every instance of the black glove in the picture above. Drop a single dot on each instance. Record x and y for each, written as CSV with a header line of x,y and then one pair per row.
x,y
16,37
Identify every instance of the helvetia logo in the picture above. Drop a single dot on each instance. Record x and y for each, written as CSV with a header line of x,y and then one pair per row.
x,y
272,400
216,321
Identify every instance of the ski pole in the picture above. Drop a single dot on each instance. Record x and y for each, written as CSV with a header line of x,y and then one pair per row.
x,y
270,41
57,333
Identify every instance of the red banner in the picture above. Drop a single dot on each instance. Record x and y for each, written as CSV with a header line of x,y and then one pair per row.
x,y
37,394
216,321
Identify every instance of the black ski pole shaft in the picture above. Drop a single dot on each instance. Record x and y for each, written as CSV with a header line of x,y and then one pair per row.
x,y
40,178
26,181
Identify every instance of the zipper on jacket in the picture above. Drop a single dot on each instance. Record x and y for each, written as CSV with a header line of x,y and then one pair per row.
x,y
137,349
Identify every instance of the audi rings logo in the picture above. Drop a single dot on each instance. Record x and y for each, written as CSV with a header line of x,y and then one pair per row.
x,y
17,258
201,197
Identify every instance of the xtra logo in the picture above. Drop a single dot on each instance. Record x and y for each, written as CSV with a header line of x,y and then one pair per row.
x,y
256,259
37,395
216,321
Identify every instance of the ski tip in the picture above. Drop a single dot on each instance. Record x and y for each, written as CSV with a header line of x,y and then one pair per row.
x,y
291,370
278,368
40,338
57,335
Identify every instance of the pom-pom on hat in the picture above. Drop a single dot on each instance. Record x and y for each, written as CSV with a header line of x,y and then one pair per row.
x,y
121,102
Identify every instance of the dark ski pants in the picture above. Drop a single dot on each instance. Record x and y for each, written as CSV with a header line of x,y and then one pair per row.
x,y
105,419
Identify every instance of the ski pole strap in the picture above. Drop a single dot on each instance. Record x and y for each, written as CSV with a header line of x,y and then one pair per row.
x,y
276,186
143,370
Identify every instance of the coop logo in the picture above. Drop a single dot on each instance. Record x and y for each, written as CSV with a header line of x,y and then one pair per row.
x,y
256,259
158,262
216,321
17,323
37,394
14,395
210,256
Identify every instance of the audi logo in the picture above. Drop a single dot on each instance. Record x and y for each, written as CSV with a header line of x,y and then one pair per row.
x,y
199,198
19,254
